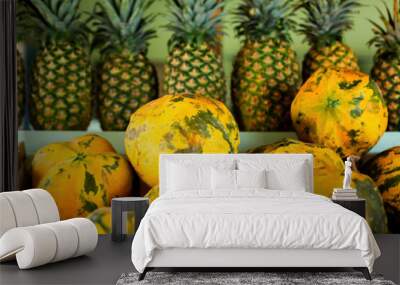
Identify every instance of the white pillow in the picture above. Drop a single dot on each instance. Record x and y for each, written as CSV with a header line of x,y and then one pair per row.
x,y
181,177
282,174
223,179
228,179
222,163
251,179
292,179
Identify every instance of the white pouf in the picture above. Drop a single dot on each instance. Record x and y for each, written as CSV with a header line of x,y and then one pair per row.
x,y
26,208
37,245
31,233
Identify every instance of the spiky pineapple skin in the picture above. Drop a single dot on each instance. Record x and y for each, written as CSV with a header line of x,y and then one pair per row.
x,y
128,81
20,88
193,69
337,55
386,73
265,79
61,88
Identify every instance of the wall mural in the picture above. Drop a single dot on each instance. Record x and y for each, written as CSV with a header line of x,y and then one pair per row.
x,y
99,64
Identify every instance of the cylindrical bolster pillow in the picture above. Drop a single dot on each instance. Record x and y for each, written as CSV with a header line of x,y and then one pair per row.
x,y
7,218
87,234
26,208
67,240
37,245
46,207
32,246
23,208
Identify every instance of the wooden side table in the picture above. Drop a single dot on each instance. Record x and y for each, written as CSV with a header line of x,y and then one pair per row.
x,y
122,205
357,206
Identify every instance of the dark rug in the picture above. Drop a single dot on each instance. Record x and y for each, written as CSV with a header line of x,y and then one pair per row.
x,y
269,278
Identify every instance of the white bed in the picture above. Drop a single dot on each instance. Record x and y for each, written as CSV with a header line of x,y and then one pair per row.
x,y
249,227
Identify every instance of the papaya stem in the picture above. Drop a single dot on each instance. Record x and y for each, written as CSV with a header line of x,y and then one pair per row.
x,y
396,10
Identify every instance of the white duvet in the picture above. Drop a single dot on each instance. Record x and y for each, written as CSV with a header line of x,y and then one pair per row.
x,y
250,219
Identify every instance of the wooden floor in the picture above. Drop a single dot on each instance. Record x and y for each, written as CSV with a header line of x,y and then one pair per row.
x,y
110,260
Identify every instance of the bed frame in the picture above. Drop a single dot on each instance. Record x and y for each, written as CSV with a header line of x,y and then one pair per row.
x,y
245,259
250,259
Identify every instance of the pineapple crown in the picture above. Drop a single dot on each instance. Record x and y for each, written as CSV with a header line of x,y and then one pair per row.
x,y
387,36
325,21
194,22
123,24
23,21
57,20
257,19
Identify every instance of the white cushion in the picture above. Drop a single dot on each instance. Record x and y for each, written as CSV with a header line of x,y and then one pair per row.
x,y
26,208
66,237
40,244
7,218
45,206
181,178
87,235
291,175
32,246
223,179
23,208
226,179
251,178
293,180
222,163
188,174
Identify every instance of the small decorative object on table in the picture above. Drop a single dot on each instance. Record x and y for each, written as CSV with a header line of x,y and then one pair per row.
x,y
347,174
119,209
346,196
346,193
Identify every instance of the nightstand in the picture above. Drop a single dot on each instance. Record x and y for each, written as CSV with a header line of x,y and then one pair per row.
x,y
357,206
119,209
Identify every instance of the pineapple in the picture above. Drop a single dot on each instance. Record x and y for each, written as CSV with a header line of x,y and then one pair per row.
x,y
193,65
386,69
266,74
323,26
61,83
127,79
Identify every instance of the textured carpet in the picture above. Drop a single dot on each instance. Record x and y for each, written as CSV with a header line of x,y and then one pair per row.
x,y
269,278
